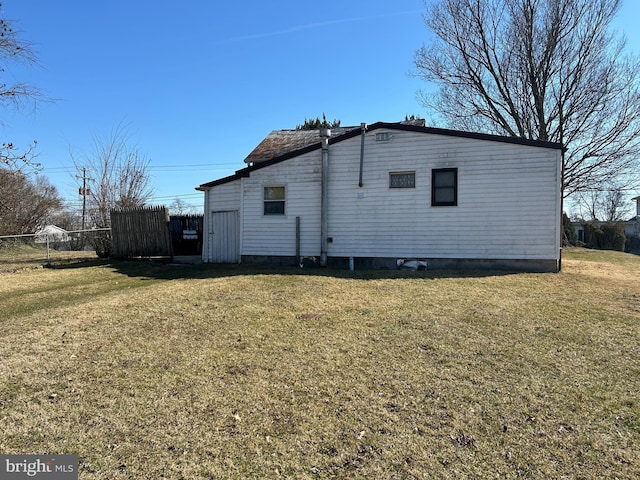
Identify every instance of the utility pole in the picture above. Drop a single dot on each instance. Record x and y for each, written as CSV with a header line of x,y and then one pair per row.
x,y
84,191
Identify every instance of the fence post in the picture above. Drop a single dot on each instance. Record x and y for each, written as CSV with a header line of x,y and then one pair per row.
x,y
298,262
48,260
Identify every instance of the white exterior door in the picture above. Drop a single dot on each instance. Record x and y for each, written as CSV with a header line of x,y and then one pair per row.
x,y
225,237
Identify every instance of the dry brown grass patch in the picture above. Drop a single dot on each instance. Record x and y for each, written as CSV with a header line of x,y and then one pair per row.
x,y
201,372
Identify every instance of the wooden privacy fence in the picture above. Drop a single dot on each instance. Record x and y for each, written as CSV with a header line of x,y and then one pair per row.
x,y
140,232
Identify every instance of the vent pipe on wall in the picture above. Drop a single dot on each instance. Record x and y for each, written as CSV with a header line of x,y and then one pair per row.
x,y
325,133
363,127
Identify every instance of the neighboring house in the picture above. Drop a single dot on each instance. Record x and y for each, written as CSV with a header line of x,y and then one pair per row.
x,y
377,196
631,226
55,235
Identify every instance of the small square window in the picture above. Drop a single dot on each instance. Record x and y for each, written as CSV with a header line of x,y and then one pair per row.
x,y
383,137
402,180
274,200
444,187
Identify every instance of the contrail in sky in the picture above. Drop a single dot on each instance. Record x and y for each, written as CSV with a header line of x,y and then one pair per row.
x,y
310,26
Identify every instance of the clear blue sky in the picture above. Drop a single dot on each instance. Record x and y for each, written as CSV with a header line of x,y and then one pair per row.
x,y
199,83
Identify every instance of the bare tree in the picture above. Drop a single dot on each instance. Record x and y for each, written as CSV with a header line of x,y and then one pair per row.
x,y
25,205
180,207
607,205
67,218
614,205
119,176
14,49
539,69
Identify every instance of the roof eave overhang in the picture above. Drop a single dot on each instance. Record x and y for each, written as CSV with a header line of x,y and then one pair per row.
x,y
245,172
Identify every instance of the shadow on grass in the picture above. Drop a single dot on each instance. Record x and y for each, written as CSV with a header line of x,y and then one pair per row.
x,y
164,270
19,264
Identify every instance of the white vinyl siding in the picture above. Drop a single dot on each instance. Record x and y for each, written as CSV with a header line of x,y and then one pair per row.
x,y
275,235
224,197
508,200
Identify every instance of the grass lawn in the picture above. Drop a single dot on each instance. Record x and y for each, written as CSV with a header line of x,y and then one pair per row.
x,y
150,371
20,256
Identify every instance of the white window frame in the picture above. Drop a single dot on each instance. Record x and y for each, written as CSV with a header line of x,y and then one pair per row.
x,y
274,201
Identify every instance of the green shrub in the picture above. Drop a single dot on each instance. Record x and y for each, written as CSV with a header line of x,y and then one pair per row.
x,y
613,236
101,242
592,235
609,236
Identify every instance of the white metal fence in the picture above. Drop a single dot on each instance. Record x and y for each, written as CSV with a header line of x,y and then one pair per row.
x,y
72,239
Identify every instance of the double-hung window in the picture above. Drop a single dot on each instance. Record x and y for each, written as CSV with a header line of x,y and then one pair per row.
x,y
274,200
444,187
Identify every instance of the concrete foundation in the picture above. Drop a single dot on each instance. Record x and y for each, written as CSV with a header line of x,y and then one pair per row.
x,y
388,263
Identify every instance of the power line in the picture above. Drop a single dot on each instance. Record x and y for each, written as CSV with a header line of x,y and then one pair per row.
x,y
189,196
65,168
184,195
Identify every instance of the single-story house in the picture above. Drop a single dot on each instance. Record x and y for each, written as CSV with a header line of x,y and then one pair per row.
x,y
52,233
379,195
631,226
